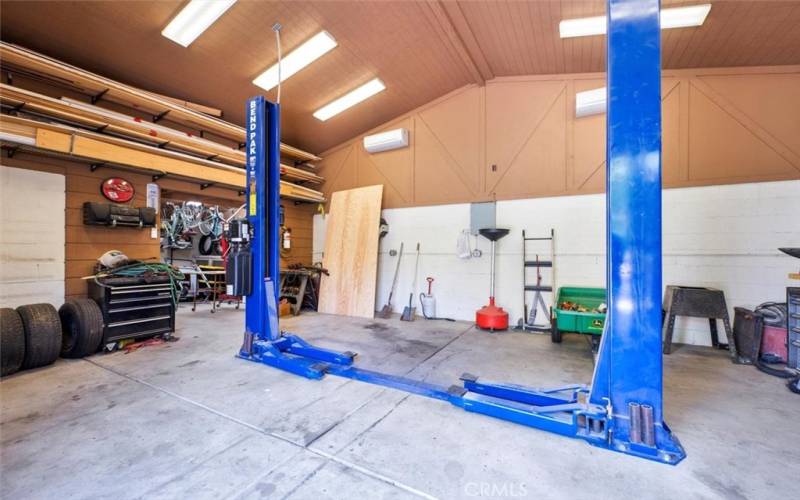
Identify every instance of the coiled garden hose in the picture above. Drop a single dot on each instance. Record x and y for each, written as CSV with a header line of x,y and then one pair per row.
x,y
774,313
137,269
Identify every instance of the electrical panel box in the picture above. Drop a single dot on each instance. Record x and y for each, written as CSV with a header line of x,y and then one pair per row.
x,y
482,215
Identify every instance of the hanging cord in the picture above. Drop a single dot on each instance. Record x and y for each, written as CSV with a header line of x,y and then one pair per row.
x,y
277,29
143,268
774,313
234,214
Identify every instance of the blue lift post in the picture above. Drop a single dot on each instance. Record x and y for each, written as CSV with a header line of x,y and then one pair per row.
x,y
628,373
622,409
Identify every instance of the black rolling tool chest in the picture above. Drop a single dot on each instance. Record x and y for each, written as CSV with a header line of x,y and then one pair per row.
x,y
134,307
793,326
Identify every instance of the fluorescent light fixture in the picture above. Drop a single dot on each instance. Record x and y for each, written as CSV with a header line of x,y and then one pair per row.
x,y
678,17
684,17
590,102
584,26
311,50
194,19
386,141
350,99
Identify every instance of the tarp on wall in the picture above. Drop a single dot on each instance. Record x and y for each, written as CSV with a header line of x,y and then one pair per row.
x,y
32,235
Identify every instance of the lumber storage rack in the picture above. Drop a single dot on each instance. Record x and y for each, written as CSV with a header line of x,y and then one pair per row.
x,y
36,123
622,409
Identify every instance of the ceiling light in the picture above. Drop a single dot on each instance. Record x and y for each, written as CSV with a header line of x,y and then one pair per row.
x,y
584,26
313,48
678,17
684,17
350,99
194,19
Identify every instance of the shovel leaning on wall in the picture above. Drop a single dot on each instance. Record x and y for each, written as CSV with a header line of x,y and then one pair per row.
x,y
409,312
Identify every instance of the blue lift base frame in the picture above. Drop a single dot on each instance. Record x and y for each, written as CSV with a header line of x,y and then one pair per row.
x,y
562,410
622,410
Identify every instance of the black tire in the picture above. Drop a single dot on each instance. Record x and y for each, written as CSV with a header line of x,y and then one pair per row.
x,y
81,328
12,341
208,245
42,335
555,333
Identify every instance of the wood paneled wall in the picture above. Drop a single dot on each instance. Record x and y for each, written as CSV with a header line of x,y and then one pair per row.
x,y
84,244
518,137
297,217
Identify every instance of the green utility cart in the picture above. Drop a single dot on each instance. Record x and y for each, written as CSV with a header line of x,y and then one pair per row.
x,y
587,323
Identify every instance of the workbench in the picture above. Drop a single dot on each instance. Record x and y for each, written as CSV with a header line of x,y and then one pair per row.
x,y
205,280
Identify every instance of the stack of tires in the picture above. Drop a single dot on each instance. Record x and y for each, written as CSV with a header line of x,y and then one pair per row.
x,y
35,335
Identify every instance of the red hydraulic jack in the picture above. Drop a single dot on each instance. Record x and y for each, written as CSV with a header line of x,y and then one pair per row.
x,y
491,317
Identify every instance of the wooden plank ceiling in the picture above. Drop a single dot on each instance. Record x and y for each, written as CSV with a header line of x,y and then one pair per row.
x,y
421,50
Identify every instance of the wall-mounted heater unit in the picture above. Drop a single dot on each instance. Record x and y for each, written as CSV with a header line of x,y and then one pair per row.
x,y
385,141
590,102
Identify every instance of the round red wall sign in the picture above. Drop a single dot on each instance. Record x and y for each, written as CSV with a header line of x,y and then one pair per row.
x,y
117,190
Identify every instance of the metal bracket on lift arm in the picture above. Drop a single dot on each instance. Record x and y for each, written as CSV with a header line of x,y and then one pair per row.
x,y
622,409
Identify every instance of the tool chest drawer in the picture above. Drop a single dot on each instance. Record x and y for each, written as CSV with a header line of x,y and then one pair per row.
x,y
793,326
134,308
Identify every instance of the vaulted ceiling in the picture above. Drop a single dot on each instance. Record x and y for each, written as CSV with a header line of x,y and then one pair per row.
x,y
421,50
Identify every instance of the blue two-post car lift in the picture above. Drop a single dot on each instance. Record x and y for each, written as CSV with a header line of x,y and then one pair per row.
x,y
622,409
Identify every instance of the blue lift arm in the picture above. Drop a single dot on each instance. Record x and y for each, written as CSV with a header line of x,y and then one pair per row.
x,y
622,410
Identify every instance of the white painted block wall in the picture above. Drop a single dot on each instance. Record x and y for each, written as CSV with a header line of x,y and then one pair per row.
x,y
717,236
32,235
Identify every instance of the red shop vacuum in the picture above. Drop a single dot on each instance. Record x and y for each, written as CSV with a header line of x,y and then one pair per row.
x,y
491,317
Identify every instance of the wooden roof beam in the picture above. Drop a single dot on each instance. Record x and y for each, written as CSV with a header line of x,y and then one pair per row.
x,y
449,18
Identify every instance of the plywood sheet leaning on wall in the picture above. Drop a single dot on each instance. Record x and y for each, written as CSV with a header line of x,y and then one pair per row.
x,y
351,253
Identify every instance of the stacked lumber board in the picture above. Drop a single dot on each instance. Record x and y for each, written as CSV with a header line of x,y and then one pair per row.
x,y
297,174
27,61
206,110
351,253
135,130
92,146
96,118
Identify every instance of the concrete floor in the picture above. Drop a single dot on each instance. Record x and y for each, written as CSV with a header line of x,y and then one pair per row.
x,y
188,420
